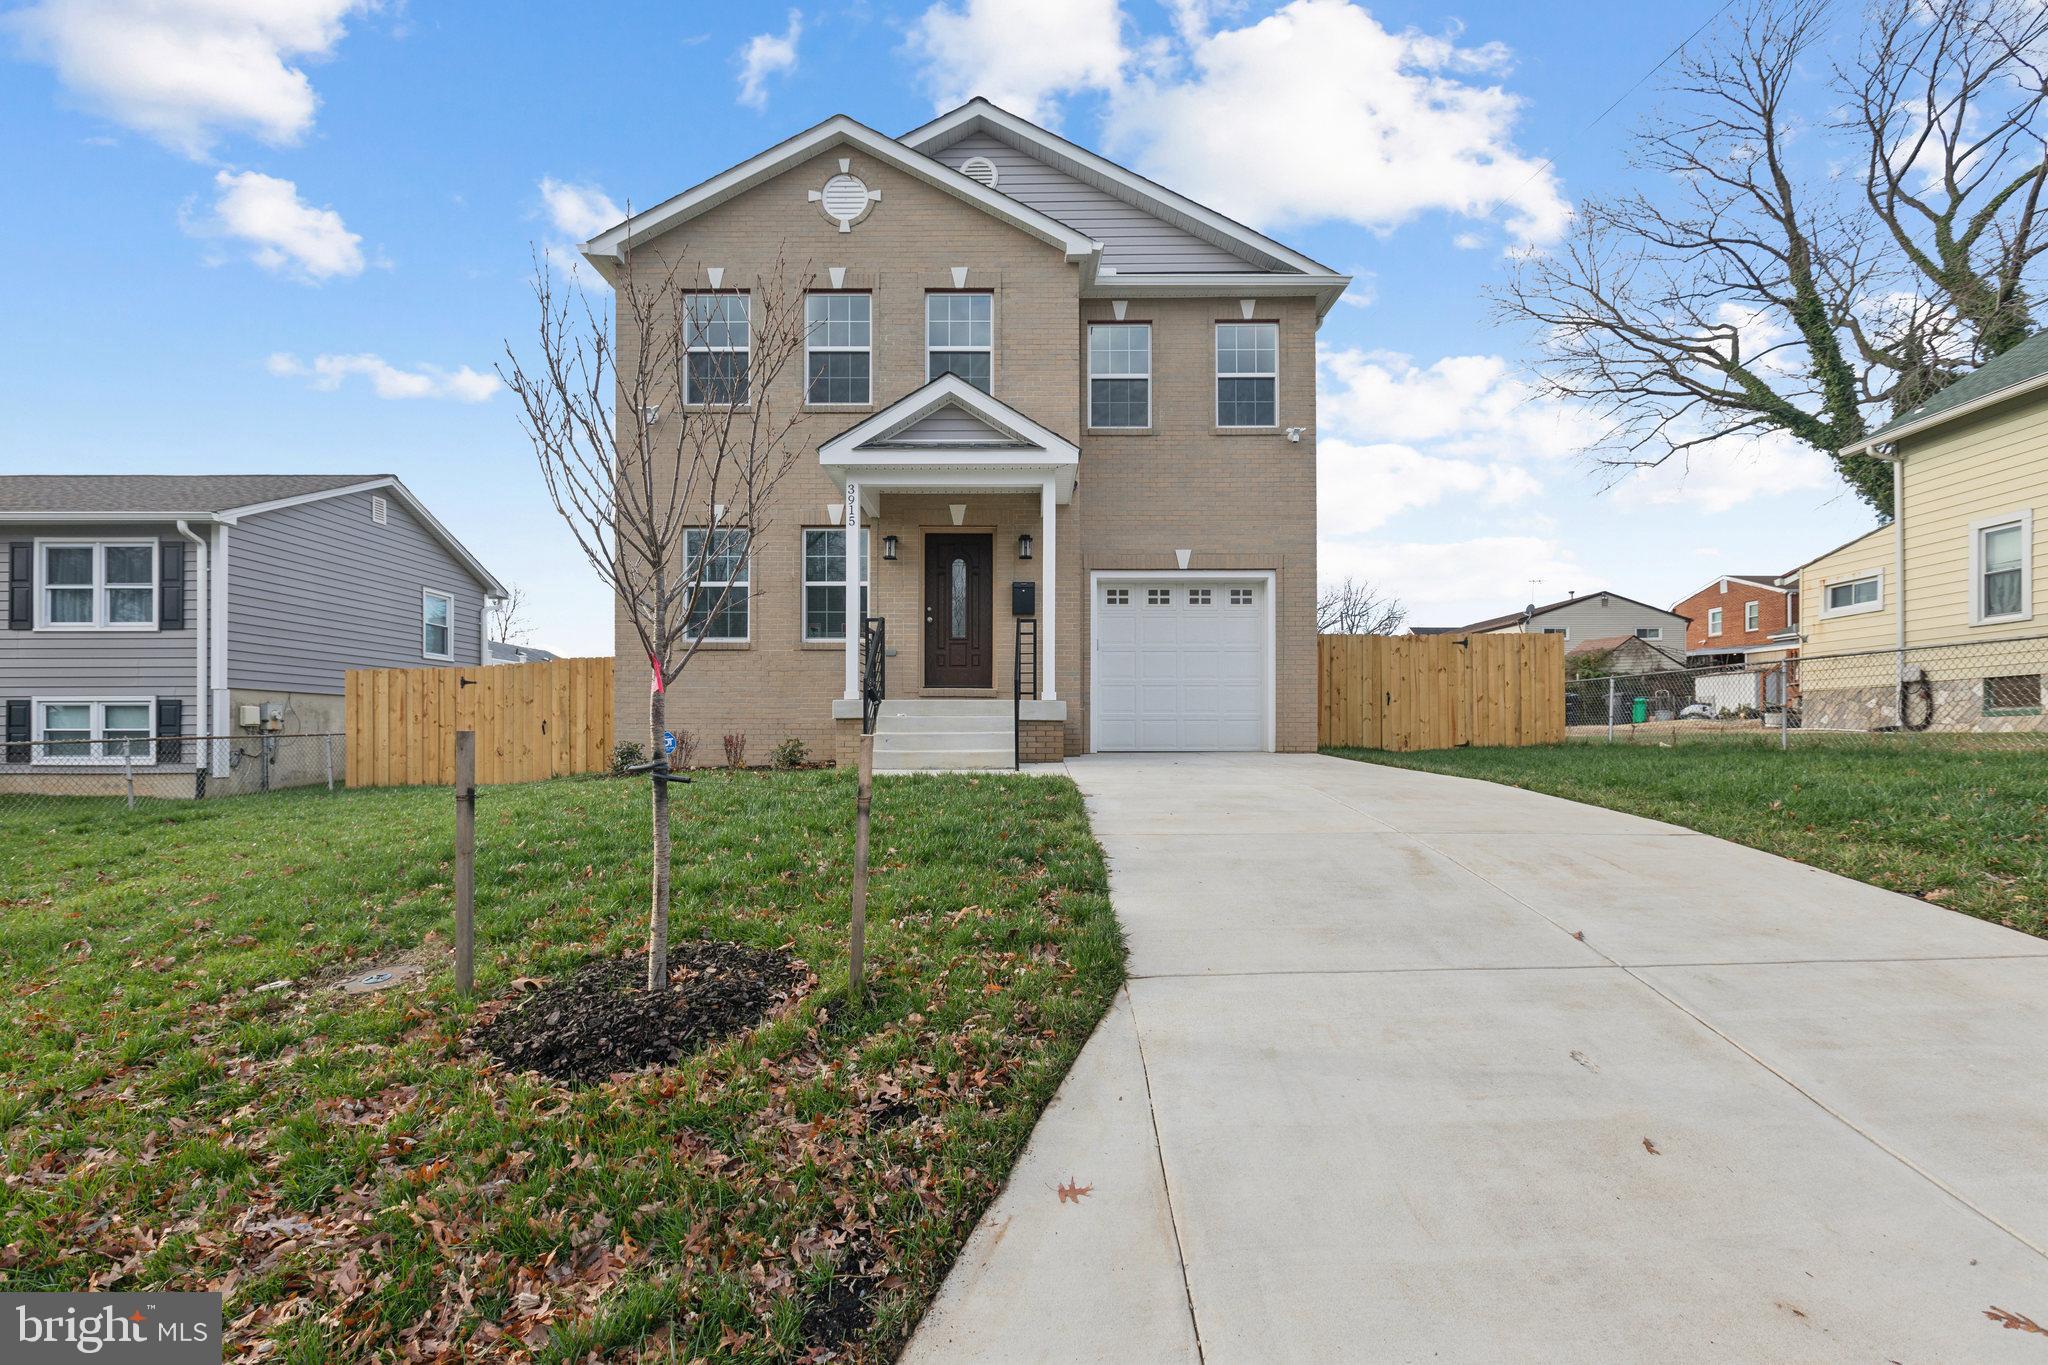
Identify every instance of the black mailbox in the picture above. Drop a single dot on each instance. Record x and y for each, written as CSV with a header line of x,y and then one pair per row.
x,y
1023,599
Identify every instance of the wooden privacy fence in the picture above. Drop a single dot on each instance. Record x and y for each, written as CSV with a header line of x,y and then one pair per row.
x,y
1408,692
532,721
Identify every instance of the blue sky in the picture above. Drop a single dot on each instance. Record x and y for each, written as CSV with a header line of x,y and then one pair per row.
x,y
293,235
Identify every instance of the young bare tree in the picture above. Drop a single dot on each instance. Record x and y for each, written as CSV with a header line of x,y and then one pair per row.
x,y
1357,608
508,616
664,496
1745,289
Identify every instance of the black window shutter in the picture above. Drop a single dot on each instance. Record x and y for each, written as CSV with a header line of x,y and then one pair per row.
x,y
170,721
21,585
170,597
17,730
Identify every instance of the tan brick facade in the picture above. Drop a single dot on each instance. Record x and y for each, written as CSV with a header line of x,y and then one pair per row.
x,y
1234,500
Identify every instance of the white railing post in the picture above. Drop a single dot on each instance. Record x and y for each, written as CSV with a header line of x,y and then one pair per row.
x,y
1048,594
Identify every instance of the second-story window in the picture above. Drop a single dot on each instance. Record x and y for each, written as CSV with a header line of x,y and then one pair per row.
x,y
715,340
1713,620
838,359
960,337
1751,613
1247,374
97,586
1120,374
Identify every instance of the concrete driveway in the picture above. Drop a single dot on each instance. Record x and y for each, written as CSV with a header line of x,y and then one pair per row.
x,y
1417,1068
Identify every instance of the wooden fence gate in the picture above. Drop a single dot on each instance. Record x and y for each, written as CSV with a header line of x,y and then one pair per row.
x,y
532,721
1407,692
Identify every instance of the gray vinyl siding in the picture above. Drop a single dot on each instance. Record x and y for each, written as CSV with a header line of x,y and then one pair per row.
x,y
97,665
1133,241
948,426
320,588
1586,619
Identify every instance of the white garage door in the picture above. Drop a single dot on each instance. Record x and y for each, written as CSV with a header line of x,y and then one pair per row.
x,y
1180,663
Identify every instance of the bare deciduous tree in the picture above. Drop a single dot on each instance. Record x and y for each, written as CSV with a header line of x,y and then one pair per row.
x,y
508,617
1745,290
1357,608
664,497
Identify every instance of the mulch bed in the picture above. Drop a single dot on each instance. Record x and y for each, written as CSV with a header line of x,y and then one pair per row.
x,y
601,1020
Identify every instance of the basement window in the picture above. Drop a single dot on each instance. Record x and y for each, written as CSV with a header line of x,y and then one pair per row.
x,y
2016,695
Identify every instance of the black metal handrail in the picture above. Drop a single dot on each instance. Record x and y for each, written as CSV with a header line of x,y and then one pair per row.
x,y
874,674
1020,678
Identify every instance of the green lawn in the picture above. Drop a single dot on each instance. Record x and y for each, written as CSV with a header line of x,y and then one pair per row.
x,y
360,1183
1964,828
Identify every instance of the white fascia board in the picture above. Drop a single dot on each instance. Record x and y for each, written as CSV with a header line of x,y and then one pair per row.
x,y
946,390
603,250
492,587
1893,434
93,518
978,115
1326,288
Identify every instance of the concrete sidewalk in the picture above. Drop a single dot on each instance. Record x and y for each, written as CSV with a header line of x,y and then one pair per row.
x,y
1417,1068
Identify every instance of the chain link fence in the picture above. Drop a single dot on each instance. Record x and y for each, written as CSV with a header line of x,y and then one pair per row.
x,y
1977,692
76,771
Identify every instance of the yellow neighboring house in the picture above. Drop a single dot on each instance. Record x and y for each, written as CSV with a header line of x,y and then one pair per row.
x,y
1940,602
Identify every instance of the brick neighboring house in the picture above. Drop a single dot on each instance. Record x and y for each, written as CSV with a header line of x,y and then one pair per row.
x,y
1741,618
1043,370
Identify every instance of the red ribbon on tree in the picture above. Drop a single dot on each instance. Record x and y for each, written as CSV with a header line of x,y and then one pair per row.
x,y
655,681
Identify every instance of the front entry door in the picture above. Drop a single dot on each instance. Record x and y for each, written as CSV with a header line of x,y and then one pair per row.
x,y
959,611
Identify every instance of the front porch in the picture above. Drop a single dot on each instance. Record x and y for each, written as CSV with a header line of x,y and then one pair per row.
x,y
959,496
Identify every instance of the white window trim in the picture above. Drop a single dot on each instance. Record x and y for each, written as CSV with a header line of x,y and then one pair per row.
x,y
1715,620
1752,616
990,349
1145,374
805,584
811,329
2024,519
1860,608
690,348
99,550
1649,632
449,598
1216,381
1098,578
39,753
747,583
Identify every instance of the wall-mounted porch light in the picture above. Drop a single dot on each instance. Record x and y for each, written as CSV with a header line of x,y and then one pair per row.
x,y
1024,546
888,547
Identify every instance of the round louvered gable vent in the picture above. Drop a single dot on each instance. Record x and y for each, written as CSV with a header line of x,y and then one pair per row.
x,y
846,197
979,168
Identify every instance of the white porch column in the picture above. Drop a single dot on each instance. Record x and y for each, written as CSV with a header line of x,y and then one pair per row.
x,y
1048,591
852,520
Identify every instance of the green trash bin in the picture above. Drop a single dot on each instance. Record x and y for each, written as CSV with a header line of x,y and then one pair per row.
x,y
1641,712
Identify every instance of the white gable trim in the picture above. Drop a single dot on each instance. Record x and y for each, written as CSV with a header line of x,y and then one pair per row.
x,y
980,116
1045,454
603,250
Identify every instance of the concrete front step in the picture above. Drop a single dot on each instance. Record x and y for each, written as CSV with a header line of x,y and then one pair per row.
x,y
892,741
943,760
945,706
931,721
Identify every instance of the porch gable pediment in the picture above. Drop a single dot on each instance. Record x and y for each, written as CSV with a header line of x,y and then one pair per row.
x,y
949,430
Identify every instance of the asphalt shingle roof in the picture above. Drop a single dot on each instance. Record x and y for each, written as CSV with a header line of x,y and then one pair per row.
x,y
167,493
2028,360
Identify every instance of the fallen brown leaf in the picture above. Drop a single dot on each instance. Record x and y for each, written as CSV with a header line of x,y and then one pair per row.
x,y
1073,1193
1651,1147
2014,1321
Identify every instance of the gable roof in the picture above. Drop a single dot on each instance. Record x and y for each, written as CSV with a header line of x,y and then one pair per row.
x,y
1797,569
603,250
2018,371
159,494
1000,438
979,115
1768,581
1579,599
222,498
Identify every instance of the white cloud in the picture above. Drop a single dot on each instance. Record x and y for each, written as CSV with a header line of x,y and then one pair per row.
x,y
1352,122
1448,583
327,372
1464,405
767,54
1022,54
1361,487
186,71
579,211
1728,473
283,232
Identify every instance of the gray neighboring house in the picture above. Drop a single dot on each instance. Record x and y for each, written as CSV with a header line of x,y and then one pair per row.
x,y
145,607
1580,617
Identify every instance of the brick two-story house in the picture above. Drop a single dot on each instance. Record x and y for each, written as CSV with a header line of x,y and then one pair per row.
x,y
1740,618
1028,365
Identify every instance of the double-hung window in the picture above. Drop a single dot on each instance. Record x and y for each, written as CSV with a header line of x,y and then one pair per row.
x,y
437,625
825,581
960,337
2000,548
106,585
71,731
838,359
1713,620
715,341
717,561
1247,374
1120,374
1751,613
